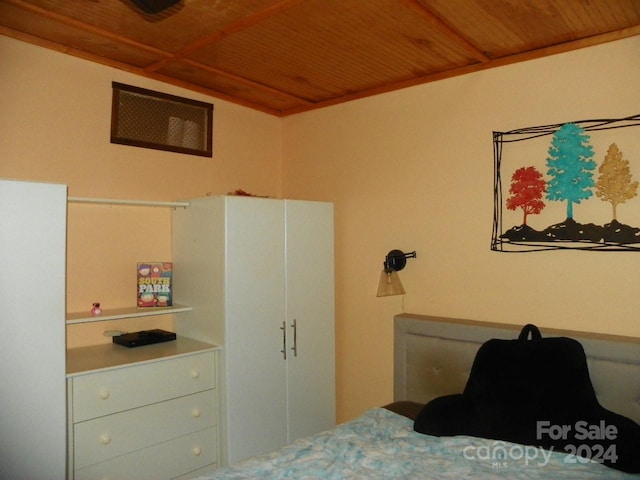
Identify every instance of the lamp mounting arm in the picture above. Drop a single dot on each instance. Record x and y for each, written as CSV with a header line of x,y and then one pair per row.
x,y
397,259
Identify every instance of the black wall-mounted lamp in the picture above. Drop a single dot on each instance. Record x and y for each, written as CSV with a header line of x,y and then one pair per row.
x,y
390,283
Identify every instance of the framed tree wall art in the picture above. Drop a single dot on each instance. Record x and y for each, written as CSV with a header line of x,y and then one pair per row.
x,y
573,185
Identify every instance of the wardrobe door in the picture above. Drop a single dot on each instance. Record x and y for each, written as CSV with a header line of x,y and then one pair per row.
x,y
32,298
310,307
254,292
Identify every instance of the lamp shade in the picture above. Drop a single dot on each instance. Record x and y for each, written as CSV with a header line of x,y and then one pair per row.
x,y
389,283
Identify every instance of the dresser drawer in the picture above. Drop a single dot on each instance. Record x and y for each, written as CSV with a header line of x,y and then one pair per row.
x,y
163,461
107,437
111,391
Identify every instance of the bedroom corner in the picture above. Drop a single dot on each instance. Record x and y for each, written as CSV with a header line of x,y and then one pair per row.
x,y
413,169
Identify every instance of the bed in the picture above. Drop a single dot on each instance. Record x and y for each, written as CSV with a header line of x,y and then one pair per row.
x,y
433,357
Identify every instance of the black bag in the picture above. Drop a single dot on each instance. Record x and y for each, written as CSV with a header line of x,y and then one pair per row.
x,y
535,392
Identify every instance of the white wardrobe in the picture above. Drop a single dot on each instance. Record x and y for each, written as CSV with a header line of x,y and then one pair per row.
x,y
32,293
259,274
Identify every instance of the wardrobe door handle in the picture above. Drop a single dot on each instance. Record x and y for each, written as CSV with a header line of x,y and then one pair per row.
x,y
294,325
284,340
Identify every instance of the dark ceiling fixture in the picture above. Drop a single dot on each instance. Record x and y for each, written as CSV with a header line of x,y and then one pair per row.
x,y
154,6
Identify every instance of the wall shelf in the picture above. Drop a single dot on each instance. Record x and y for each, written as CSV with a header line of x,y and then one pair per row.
x,y
132,203
120,313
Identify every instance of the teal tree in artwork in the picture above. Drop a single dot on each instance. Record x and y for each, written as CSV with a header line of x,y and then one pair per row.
x,y
570,166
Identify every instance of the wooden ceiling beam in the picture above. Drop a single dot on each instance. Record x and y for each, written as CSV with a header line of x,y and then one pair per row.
x,y
40,42
246,21
499,62
247,82
437,23
234,27
24,37
71,22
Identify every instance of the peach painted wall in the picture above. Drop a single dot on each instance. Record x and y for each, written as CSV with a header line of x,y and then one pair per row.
x,y
413,170
55,114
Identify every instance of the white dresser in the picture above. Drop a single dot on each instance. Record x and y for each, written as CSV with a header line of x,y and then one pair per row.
x,y
150,419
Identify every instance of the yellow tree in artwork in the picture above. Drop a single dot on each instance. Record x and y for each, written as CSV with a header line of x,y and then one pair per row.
x,y
614,184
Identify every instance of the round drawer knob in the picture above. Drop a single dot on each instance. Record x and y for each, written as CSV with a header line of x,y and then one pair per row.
x,y
105,439
197,451
195,413
195,374
104,393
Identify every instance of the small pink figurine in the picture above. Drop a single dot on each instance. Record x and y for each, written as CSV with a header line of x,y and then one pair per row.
x,y
96,310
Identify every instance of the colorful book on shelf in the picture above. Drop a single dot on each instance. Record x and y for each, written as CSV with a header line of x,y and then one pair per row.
x,y
154,284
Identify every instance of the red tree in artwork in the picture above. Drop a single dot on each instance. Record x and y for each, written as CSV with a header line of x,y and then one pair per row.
x,y
527,187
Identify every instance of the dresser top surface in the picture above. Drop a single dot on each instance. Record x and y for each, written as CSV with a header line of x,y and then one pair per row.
x,y
84,360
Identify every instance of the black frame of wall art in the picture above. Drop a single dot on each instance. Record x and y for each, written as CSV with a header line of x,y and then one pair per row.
x,y
569,170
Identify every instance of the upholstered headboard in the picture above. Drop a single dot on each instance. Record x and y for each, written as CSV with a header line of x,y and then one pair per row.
x,y
433,357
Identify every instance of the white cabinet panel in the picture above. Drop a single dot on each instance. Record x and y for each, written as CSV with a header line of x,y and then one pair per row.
x,y
32,295
310,303
255,368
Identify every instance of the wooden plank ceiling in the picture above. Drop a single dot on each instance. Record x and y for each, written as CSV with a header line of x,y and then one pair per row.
x,y
289,56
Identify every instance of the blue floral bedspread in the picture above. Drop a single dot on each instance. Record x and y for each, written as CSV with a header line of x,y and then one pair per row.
x,y
382,445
